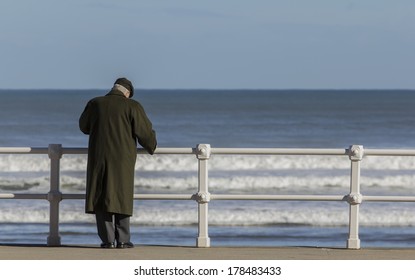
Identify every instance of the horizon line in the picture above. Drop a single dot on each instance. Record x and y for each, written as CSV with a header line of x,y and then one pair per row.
x,y
219,89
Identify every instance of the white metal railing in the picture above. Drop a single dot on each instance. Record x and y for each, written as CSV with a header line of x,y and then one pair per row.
x,y
203,152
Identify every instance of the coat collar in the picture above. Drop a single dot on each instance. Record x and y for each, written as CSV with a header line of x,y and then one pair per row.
x,y
116,92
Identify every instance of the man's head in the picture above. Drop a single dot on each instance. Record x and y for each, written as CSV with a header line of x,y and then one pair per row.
x,y
124,83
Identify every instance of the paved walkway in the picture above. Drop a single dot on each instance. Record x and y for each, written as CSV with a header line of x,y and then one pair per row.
x,y
40,252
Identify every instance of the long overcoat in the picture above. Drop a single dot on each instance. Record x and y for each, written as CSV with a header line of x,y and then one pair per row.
x,y
114,124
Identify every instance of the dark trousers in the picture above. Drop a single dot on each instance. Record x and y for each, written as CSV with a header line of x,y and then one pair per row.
x,y
113,227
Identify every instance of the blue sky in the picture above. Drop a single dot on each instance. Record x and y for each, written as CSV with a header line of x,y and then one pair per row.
x,y
212,44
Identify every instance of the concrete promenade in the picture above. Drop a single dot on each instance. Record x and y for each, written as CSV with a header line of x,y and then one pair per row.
x,y
154,252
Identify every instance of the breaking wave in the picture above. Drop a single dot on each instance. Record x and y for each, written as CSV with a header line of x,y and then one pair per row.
x,y
227,174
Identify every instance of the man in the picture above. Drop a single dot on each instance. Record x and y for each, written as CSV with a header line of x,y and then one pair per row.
x,y
114,123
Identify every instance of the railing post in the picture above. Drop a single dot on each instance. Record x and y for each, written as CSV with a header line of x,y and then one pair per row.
x,y
354,199
203,195
54,195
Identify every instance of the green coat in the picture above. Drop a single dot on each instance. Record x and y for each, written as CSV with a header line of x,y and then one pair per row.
x,y
114,124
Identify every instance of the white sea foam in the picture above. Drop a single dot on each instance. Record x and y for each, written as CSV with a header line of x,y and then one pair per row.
x,y
227,173
402,184
317,215
38,163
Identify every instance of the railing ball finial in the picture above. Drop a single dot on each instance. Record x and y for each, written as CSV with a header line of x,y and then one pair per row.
x,y
202,197
356,152
354,198
203,151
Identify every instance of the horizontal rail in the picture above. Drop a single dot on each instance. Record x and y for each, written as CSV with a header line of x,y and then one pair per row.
x,y
23,150
366,198
169,151
189,197
159,151
226,151
274,151
23,196
389,152
278,197
77,151
73,196
164,196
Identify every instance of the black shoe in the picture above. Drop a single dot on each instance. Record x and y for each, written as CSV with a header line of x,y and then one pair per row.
x,y
108,245
123,245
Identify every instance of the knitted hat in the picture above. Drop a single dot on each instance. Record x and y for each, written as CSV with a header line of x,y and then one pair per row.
x,y
127,84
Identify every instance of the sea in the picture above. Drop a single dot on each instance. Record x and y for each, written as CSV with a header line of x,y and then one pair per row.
x,y
224,119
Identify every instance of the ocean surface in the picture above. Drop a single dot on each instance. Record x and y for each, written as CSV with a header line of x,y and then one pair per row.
x,y
222,118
